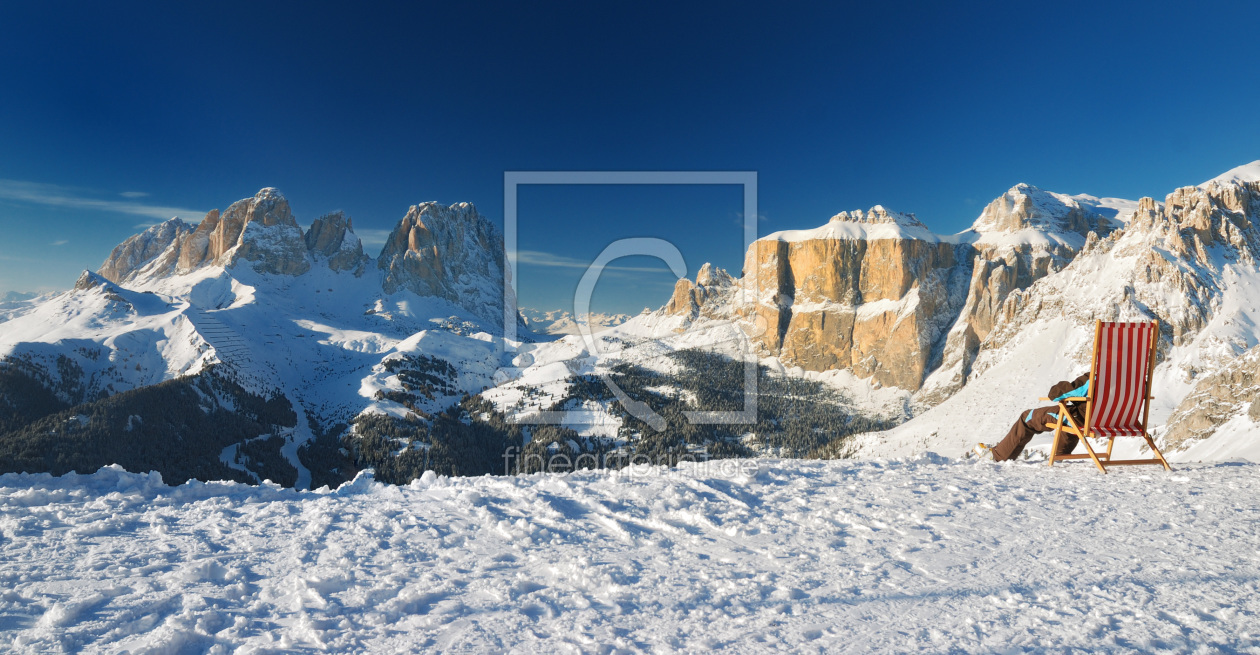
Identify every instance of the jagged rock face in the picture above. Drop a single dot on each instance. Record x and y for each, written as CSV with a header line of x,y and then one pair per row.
x,y
158,242
688,298
1168,263
1021,237
1216,398
259,230
87,280
450,252
332,237
878,294
1025,206
871,305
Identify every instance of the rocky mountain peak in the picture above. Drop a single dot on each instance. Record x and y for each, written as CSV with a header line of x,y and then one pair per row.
x,y
688,299
710,275
878,215
1220,213
268,207
260,230
332,237
148,247
1245,173
89,280
452,252
1025,206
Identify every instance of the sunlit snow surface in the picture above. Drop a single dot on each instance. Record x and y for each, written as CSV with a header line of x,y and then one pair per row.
x,y
915,555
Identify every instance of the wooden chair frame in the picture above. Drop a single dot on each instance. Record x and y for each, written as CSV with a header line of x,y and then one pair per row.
x,y
1067,424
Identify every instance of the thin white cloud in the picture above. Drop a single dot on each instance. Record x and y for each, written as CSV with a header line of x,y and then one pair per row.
x,y
55,195
134,194
373,240
539,258
60,242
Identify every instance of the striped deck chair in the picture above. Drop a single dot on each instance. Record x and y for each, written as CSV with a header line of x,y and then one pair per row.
x,y
1117,403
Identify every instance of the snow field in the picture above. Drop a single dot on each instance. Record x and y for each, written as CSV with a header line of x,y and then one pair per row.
x,y
748,556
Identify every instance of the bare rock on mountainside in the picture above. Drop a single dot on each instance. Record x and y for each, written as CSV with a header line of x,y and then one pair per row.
x,y
1218,397
155,248
878,294
332,237
449,252
834,301
259,230
688,298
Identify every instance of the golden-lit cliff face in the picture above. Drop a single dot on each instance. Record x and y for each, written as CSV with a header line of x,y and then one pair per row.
x,y
866,306
880,295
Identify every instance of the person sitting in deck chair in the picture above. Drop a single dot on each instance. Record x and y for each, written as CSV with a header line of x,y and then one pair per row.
x,y
1042,419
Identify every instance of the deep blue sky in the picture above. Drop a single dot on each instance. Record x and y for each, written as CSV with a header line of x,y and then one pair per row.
x,y
933,108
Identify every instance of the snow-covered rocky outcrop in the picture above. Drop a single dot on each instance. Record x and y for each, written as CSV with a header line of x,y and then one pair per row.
x,y
452,252
332,238
449,252
247,300
1022,236
1190,262
878,294
1221,414
161,241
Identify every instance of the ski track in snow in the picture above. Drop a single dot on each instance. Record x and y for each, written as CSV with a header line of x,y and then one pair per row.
x,y
926,554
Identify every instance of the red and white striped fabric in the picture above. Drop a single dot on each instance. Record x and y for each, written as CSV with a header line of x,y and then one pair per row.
x,y
1123,354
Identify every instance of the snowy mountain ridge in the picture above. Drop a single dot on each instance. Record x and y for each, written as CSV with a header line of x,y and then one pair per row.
x,y
1245,173
1191,263
858,326
559,321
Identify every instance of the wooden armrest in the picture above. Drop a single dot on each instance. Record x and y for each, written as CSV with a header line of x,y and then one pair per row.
x,y
1065,400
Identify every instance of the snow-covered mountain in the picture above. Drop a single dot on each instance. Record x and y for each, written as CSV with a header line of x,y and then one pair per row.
x,y
300,318
1191,263
960,332
880,295
316,359
1245,173
559,321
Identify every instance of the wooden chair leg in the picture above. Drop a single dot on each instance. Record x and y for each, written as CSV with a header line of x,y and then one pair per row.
x,y
1110,443
1092,454
1058,435
1151,442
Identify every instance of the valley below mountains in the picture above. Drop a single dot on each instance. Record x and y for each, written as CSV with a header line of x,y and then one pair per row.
x,y
249,348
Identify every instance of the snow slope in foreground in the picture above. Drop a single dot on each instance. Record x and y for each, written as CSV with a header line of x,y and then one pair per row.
x,y
808,556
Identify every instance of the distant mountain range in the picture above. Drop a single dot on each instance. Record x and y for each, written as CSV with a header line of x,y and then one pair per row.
x,y
559,321
245,347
